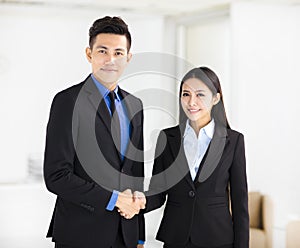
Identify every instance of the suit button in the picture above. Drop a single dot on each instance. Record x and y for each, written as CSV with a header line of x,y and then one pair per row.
x,y
191,194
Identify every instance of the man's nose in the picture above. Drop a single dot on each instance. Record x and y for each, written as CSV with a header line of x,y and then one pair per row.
x,y
110,58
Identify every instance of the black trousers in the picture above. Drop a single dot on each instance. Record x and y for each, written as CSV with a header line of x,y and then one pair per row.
x,y
119,243
190,245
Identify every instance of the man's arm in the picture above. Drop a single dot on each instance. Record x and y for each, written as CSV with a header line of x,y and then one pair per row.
x,y
60,156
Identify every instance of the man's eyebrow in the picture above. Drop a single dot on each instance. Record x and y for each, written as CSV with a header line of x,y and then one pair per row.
x,y
120,49
100,46
106,48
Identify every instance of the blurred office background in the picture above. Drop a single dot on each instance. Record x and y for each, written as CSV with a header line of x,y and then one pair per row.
x,y
252,45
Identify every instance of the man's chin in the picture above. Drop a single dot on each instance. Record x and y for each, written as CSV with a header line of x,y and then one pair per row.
x,y
106,80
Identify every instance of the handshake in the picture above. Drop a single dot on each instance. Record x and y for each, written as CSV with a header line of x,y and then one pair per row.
x,y
129,204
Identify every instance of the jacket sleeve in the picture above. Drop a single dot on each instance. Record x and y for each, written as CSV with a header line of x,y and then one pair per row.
x,y
59,160
239,195
141,174
156,194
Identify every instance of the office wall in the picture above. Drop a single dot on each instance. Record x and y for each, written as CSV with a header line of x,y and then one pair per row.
x,y
265,93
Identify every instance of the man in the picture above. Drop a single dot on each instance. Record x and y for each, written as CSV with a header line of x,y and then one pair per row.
x,y
88,178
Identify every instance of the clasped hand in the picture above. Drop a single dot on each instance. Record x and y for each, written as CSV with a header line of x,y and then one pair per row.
x,y
129,204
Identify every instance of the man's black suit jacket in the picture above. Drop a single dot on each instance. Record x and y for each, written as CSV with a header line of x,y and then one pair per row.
x,y
200,210
83,174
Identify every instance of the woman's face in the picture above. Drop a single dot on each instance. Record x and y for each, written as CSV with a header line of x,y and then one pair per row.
x,y
197,100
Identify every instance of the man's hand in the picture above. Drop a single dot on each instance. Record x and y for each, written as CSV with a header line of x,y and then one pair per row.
x,y
140,198
140,246
126,205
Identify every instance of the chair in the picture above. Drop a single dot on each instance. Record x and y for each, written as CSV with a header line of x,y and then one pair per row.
x,y
293,234
261,220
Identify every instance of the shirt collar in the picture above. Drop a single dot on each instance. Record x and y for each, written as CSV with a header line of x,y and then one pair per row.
x,y
103,90
208,129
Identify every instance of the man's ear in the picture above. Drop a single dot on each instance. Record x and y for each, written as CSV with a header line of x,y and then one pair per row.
x,y
88,54
216,98
129,56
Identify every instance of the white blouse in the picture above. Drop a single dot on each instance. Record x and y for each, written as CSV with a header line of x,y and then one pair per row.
x,y
195,147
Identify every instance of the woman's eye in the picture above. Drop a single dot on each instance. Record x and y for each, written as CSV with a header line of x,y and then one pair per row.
x,y
200,95
185,94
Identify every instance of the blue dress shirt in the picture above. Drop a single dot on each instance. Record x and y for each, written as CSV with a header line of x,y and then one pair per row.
x,y
125,131
122,113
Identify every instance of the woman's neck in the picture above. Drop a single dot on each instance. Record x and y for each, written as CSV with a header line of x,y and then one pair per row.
x,y
197,125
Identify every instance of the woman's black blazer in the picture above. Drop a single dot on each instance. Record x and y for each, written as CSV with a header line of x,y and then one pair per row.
x,y
210,211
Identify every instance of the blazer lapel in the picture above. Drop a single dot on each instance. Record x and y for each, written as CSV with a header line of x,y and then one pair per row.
x,y
100,108
177,148
136,128
97,101
214,153
132,110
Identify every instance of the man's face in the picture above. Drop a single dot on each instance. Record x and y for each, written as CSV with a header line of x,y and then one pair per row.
x,y
109,57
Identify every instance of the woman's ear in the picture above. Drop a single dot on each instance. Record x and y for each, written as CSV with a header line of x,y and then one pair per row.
x,y
216,98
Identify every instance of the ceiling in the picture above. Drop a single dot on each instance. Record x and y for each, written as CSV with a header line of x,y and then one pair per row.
x,y
160,7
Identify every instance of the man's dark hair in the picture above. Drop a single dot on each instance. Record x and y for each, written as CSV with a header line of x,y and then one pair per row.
x,y
109,25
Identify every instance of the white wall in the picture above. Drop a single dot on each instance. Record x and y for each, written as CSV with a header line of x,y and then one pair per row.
x,y
26,211
265,90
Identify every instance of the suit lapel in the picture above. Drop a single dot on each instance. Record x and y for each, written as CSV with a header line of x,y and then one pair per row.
x,y
136,127
132,110
180,162
210,160
97,101
99,105
214,153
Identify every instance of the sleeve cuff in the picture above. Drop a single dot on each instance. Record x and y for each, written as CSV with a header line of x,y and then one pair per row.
x,y
141,242
113,200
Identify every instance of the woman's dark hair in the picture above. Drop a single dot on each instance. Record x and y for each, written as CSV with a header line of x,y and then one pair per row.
x,y
109,25
211,80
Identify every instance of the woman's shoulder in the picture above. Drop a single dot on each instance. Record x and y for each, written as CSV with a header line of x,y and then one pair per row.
x,y
234,132
171,130
235,135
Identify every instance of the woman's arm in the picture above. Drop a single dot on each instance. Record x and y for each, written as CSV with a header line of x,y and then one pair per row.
x,y
239,195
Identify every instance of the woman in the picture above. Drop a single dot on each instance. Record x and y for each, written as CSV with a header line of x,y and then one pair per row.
x,y
200,169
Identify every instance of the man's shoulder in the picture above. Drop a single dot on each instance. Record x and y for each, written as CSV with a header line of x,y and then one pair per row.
x,y
71,92
129,96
